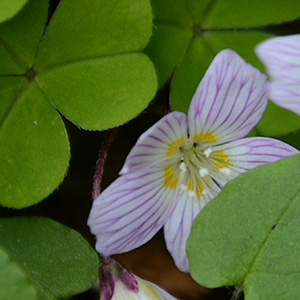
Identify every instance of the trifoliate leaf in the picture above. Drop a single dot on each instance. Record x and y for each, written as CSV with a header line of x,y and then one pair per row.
x,y
187,34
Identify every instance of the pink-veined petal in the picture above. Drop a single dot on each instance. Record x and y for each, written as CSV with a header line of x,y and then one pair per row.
x,y
178,227
130,211
281,57
153,146
229,100
248,153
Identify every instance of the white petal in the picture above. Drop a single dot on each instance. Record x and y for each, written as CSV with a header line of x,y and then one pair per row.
x,y
150,291
281,57
178,227
153,145
121,293
130,211
229,100
248,153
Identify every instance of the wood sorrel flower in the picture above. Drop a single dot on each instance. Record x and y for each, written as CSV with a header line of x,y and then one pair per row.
x,y
117,283
281,57
183,161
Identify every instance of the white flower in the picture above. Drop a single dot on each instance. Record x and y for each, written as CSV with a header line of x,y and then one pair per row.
x,y
117,283
281,57
183,161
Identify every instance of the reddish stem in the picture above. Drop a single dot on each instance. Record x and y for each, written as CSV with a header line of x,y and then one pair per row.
x,y
108,139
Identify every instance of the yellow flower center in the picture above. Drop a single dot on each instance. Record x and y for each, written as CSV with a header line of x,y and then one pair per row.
x,y
195,167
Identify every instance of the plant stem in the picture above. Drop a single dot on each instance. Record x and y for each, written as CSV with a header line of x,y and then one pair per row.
x,y
237,294
108,139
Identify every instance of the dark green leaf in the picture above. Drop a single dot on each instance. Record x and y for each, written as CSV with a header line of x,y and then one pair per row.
x,y
8,8
187,34
198,57
292,138
199,10
172,33
34,145
58,261
165,49
189,73
243,42
13,281
248,236
245,13
20,38
278,121
173,12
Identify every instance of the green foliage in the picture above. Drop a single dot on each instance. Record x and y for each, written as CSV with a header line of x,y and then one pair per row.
x,y
34,145
188,72
101,75
74,89
8,8
13,281
277,121
20,38
91,70
292,138
245,13
248,236
55,259
92,63
188,34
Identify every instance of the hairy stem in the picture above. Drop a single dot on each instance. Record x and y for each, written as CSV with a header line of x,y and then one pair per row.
x,y
108,139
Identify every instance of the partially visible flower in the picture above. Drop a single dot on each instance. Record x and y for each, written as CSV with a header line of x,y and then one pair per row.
x,y
118,283
183,161
281,57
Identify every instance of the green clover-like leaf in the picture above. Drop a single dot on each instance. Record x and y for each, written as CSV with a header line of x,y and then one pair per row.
x,y
248,236
91,70
13,281
34,145
188,34
57,261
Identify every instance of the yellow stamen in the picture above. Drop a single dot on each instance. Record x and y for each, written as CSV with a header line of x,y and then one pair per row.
x,y
220,160
171,179
207,137
174,146
190,184
199,189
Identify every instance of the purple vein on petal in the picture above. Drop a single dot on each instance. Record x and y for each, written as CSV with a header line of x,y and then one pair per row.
x,y
236,90
219,84
117,191
153,194
147,224
130,212
147,228
251,152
